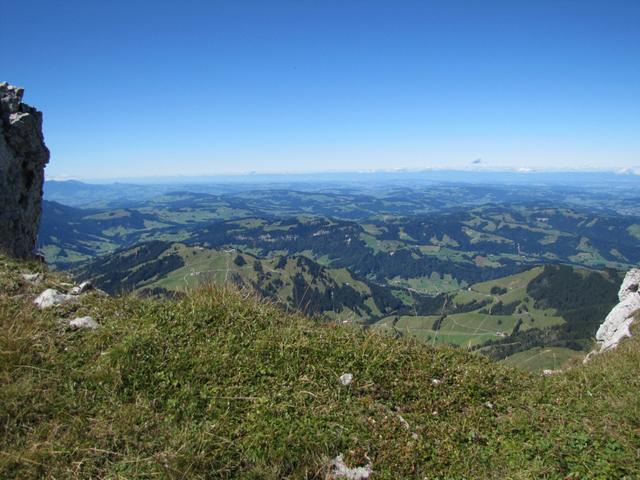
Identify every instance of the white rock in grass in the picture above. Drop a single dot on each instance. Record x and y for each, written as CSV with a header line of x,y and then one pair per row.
x,y
34,278
82,288
436,381
340,470
51,298
346,379
83,323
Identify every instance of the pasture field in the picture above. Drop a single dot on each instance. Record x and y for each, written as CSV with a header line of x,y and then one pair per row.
x,y
538,359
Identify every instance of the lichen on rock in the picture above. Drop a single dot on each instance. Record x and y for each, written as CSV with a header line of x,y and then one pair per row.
x,y
23,156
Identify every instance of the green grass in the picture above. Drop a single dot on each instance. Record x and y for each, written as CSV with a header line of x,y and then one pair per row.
x,y
516,291
466,329
419,327
381,245
202,265
542,358
516,284
54,253
430,285
476,327
221,385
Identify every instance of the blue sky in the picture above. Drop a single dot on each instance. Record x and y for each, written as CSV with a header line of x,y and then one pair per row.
x,y
142,88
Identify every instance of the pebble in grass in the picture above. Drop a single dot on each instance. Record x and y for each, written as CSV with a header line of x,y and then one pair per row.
x,y
83,323
406,425
34,278
82,288
339,469
346,379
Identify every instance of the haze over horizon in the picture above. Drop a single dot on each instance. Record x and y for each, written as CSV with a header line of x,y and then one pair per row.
x,y
144,89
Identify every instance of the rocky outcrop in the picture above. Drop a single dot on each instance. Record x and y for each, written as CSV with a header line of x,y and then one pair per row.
x,y
616,325
23,156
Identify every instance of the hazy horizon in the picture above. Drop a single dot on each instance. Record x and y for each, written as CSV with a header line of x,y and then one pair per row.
x,y
346,176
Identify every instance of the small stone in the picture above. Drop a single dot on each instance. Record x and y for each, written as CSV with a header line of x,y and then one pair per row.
x,y
436,381
81,323
404,423
82,288
340,470
346,379
488,405
34,278
51,298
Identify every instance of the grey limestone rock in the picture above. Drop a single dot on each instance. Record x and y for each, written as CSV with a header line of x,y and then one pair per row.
x,y
82,288
617,324
23,156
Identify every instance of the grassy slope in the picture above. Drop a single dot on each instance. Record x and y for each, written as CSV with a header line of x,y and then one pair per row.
x,y
475,327
217,266
538,359
219,385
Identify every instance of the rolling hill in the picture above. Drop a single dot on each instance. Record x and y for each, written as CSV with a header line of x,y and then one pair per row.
x,y
296,282
545,306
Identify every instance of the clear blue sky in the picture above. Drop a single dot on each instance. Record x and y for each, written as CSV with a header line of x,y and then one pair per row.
x,y
140,88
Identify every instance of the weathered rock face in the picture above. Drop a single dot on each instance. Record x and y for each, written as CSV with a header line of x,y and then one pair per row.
x,y
23,156
616,325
